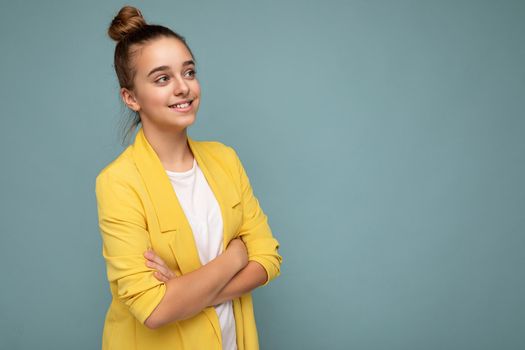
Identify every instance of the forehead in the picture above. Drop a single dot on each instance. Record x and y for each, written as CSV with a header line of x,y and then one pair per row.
x,y
161,52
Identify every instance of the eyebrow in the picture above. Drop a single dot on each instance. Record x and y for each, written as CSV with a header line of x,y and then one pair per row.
x,y
162,68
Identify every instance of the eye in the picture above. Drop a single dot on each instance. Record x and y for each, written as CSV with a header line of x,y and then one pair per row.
x,y
160,80
191,73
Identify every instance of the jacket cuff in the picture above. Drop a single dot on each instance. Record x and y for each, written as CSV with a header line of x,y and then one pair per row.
x,y
143,305
271,266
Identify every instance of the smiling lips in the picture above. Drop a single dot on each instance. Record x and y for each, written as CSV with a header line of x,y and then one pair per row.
x,y
182,107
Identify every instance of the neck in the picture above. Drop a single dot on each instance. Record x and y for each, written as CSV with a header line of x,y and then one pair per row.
x,y
171,147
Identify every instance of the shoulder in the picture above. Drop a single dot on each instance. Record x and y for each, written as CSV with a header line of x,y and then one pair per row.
x,y
122,168
218,150
220,155
212,146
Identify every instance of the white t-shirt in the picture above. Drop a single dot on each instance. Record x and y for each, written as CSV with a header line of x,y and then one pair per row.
x,y
204,215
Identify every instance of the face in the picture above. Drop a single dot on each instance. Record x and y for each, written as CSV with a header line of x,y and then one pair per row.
x,y
166,92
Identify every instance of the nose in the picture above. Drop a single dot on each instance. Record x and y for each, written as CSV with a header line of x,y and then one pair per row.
x,y
181,87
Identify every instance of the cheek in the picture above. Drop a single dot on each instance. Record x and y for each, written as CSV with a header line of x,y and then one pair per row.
x,y
196,88
157,97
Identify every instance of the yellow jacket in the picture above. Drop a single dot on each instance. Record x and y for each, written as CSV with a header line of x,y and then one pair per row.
x,y
138,209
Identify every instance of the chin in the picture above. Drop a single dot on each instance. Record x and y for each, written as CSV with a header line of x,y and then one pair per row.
x,y
184,122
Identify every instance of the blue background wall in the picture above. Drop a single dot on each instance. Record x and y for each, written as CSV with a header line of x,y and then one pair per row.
x,y
385,141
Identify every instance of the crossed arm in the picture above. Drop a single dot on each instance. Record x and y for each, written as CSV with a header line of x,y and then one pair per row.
x,y
226,277
249,277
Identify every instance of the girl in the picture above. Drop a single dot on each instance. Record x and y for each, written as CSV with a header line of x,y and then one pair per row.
x,y
184,238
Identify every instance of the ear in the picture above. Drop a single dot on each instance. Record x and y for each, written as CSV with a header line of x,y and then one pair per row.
x,y
129,99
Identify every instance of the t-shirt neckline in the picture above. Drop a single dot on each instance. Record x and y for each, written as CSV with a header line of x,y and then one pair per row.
x,y
186,173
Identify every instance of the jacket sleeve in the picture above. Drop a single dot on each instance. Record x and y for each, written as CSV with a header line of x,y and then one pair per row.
x,y
125,238
255,232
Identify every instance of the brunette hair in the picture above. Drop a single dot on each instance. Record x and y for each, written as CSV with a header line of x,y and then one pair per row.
x,y
130,30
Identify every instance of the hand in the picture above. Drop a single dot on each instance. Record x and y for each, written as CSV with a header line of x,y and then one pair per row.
x,y
163,273
238,249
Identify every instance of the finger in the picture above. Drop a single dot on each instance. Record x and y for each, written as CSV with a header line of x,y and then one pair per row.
x,y
161,268
151,255
155,261
157,276
160,276
164,278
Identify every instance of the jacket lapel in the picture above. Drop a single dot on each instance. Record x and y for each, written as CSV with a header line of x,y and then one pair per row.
x,y
169,212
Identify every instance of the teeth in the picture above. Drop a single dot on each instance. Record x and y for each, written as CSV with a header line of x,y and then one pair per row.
x,y
184,105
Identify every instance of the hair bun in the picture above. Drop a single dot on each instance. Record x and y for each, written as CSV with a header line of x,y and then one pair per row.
x,y
128,20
